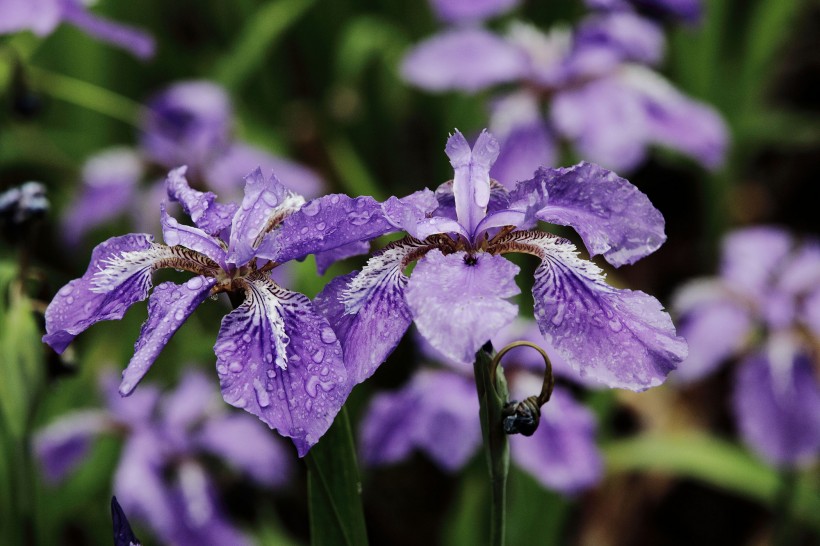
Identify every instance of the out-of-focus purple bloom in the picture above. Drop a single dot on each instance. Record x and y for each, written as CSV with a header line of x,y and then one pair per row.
x,y
468,11
589,86
689,11
761,308
437,413
621,338
42,17
276,357
160,479
189,123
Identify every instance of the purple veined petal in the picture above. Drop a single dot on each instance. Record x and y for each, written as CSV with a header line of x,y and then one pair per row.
x,y
411,213
470,11
247,445
109,182
777,405
499,219
226,170
265,203
471,184
621,338
118,276
677,121
61,446
325,259
752,256
187,123
330,222
139,43
602,42
562,454
465,59
196,239
605,120
39,16
169,307
195,399
368,310
459,301
499,200
437,412
208,215
613,217
280,361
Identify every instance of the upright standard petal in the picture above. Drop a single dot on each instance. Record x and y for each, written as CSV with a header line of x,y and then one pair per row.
x,y
201,207
368,310
471,184
777,405
466,59
169,306
280,361
459,301
193,238
118,276
622,338
613,217
562,454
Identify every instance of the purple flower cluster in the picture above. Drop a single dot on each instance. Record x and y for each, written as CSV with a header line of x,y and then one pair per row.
x,y
42,17
591,86
764,309
436,413
189,123
160,479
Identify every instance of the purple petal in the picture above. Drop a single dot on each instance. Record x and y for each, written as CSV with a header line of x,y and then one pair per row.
x,y
248,445
437,412
473,289
467,59
613,217
169,307
187,124
471,184
466,11
280,361
777,404
751,257
39,16
224,174
325,259
196,239
562,454
411,213
801,274
622,338
522,151
499,200
136,410
61,446
118,276
108,189
192,401
129,38
207,214
368,310
689,11
603,42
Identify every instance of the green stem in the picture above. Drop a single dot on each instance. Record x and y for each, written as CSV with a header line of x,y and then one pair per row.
x,y
492,395
784,531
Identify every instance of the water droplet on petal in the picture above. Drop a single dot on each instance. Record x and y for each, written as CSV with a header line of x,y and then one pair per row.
x,y
194,283
312,208
261,394
328,335
318,356
236,366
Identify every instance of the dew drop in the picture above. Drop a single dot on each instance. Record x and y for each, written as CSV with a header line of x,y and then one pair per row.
x,y
240,403
320,226
221,369
358,218
261,394
311,208
235,366
194,283
179,315
271,373
328,335
318,356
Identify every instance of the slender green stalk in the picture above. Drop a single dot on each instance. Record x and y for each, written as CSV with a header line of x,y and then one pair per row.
x,y
492,395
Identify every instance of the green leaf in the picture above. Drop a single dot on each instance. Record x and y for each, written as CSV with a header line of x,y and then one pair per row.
x,y
365,39
334,489
263,30
717,463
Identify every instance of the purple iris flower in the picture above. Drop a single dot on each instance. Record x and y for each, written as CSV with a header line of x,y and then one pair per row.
x,y
689,11
189,123
437,413
458,292
591,86
763,309
276,357
42,17
160,478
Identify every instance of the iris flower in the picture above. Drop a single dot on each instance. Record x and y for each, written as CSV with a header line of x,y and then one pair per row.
x,y
276,357
458,292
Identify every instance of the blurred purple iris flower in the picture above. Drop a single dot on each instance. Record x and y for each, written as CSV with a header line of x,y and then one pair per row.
x,y
276,357
591,86
458,292
764,309
189,123
42,17
160,479
689,11
437,413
